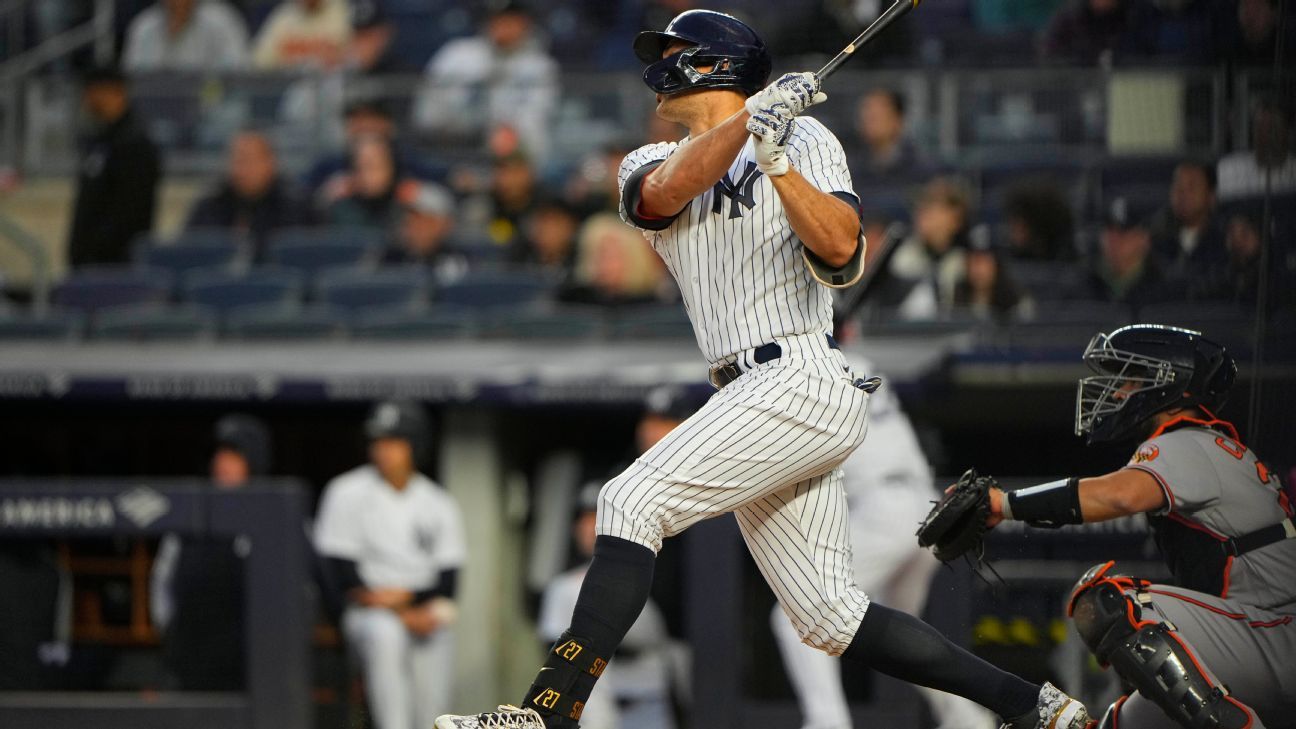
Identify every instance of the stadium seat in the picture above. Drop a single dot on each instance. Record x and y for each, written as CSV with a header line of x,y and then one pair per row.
x,y
94,288
311,251
289,322
54,325
152,322
489,289
226,291
402,323
545,322
179,258
656,322
353,289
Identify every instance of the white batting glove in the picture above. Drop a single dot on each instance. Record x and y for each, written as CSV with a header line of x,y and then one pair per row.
x,y
771,129
796,91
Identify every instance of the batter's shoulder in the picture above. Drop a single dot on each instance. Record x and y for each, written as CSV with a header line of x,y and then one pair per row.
x,y
353,481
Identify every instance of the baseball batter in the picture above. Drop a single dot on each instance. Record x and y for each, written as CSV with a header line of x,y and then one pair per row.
x,y
889,488
1218,649
754,215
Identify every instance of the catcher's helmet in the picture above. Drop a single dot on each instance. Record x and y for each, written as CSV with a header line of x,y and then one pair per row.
x,y
1144,369
737,56
399,419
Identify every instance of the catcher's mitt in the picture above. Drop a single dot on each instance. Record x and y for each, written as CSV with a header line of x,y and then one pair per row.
x,y
956,525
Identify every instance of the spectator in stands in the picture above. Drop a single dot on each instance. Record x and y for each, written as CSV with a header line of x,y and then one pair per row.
x,y
118,175
928,265
186,35
1251,34
197,586
614,266
1243,176
987,290
888,151
500,77
512,196
393,544
1238,280
1125,272
366,196
1040,225
549,239
593,186
304,34
427,221
370,50
1186,235
254,199
364,117
1090,31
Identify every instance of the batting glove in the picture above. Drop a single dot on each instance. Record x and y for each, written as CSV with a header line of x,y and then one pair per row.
x,y
771,129
796,91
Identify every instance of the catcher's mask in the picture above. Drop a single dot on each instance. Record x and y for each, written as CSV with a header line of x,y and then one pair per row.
x,y
737,57
1144,369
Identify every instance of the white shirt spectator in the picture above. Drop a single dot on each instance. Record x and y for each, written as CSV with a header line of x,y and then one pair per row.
x,y
215,37
304,33
472,84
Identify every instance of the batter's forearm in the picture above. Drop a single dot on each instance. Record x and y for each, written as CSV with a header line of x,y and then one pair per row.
x,y
826,225
694,167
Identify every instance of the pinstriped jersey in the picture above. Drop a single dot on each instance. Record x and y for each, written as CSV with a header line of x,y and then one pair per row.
x,y
732,251
1215,488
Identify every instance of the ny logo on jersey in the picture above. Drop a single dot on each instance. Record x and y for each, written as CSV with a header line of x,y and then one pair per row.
x,y
739,193
425,540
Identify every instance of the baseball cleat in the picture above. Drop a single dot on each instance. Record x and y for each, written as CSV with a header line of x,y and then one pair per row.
x,y
506,717
1055,710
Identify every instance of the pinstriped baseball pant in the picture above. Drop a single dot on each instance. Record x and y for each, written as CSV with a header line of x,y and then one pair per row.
x,y
766,448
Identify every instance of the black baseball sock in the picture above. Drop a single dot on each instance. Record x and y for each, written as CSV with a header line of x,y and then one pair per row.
x,y
906,648
612,595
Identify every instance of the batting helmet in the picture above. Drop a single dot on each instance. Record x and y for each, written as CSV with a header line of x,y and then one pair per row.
x,y
399,419
737,56
1144,369
247,436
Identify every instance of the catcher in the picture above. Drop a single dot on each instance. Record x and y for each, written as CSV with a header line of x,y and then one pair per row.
x,y
1218,648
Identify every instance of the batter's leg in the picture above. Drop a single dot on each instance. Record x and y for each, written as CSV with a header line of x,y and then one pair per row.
x,y
381,641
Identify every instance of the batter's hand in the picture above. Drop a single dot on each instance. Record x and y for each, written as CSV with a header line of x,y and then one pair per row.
x,y
795,91
771,128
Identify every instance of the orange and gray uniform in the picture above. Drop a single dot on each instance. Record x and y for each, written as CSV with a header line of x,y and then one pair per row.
x,y
1227,534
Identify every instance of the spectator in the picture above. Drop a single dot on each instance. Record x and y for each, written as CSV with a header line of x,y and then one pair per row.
x,y
593,187
370,49
1251,34
304,33
1239,279
118,175
1185,235
253,199
197,586
987,290
500,77
393,543
888,151
364,117
614,266
510,196
422,234
928,265
366,197
1089,31
186,35
549,240
1039,222
1125,271
1243,176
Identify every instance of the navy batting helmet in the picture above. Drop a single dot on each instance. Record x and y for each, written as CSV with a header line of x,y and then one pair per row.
x,y
736,55
1144,369
399,419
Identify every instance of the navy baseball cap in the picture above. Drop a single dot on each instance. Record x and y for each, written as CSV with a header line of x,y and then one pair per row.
x,y
1124,214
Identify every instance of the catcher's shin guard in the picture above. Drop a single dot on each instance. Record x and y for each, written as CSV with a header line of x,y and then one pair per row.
x,y
566,679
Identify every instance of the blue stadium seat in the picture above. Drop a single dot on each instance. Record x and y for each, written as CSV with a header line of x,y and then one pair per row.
x,y
55,325
312,250
386,287
404,324
224,291
489,289
545,322
285,323
656,322
181,257
93,288
152,322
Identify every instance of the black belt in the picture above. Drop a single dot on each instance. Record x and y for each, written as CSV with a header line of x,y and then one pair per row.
x,y
722,375
1272,534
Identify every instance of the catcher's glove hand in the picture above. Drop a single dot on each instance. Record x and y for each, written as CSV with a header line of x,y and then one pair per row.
x,y
956,525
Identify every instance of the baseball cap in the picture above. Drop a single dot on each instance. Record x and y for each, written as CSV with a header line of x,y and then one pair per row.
x,y
367,14
1124,214
507,7
426,198
396,419
249,437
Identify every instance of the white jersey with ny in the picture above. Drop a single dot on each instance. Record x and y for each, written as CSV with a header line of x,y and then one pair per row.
x,y
737,261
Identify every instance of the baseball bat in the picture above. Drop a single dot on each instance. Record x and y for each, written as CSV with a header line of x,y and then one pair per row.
x,y
892,14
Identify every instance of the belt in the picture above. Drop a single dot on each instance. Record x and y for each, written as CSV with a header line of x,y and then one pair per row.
x,y
723,374
1238,546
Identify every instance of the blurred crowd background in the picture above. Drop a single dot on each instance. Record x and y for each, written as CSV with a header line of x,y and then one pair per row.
x,y
332,182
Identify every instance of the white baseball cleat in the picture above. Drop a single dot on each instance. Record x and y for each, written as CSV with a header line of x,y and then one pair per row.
x,y
1055,710
506,717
